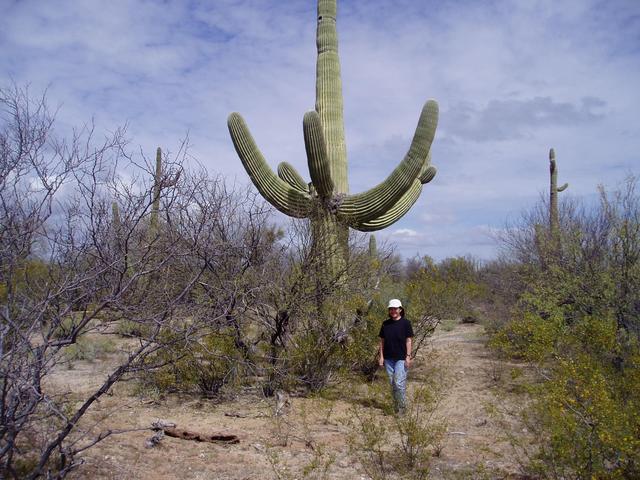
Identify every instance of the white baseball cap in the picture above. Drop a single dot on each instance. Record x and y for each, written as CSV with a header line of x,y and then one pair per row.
x,y
394,303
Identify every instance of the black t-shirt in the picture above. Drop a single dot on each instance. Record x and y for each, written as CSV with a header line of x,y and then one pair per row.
x,y
395,334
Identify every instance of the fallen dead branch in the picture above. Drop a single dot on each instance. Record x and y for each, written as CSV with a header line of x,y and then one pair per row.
x,y
170,429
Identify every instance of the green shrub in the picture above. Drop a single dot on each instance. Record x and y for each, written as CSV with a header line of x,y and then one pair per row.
x,y
62,328
587,419
527,337
205,365
585,413
397,446
89,348
448,290
317,353
130,328
362,350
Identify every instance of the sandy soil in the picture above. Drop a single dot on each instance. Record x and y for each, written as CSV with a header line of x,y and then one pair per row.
x,y
310,432
476,445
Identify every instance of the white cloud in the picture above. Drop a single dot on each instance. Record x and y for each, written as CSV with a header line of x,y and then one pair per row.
x,y
512,79
406,232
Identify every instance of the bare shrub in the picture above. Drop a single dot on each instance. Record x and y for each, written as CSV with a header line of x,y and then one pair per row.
x,y
79,251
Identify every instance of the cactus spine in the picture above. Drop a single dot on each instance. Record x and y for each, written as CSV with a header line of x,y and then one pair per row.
x,y
326,200
554,222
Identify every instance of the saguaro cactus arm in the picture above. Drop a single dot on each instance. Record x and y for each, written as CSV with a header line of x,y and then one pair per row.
x,y
279,193
428,171
403,205
395,213
553,169
289,174
428,175
317,158
366,206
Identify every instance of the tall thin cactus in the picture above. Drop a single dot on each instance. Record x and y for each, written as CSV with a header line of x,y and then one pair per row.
x,y
373,247
115,217
157,189
326,200
374,263
160,181
554,218
116,226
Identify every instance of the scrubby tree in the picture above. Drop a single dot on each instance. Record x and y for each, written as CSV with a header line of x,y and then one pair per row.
x,y
72,271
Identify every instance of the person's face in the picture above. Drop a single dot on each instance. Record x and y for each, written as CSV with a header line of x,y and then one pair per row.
x,y
394,313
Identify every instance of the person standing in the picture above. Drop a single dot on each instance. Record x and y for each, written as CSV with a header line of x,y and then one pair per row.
x,y
396,334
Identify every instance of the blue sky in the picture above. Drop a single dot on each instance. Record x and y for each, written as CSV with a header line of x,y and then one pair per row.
x,y
513,78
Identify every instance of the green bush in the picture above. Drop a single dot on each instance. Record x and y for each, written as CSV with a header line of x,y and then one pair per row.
x,y
585,411
587,419
130,328
577,320
205,365
397,446
62,328
450,289
362,349
89,348
528,337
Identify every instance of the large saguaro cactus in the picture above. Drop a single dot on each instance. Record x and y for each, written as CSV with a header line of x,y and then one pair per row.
x,y
326,200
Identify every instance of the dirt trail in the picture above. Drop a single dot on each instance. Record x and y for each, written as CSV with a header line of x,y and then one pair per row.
x,y
475,440
310,430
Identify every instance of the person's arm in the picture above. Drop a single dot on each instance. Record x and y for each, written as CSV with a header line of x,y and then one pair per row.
x,y
407,361
381,352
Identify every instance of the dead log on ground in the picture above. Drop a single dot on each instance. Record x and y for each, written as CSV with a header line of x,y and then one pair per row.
x,y
170,429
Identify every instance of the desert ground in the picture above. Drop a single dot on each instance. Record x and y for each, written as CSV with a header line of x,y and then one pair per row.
x,y
302,437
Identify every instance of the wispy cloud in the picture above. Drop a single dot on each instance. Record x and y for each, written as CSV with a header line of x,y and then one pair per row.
x,y
512,78
510,119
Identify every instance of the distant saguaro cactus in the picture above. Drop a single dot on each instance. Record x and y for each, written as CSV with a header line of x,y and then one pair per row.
x,y
115,217
373,247
554,222
326,200
160,180
116,226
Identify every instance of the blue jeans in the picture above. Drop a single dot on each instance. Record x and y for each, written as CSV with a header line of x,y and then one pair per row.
x,y
398,377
